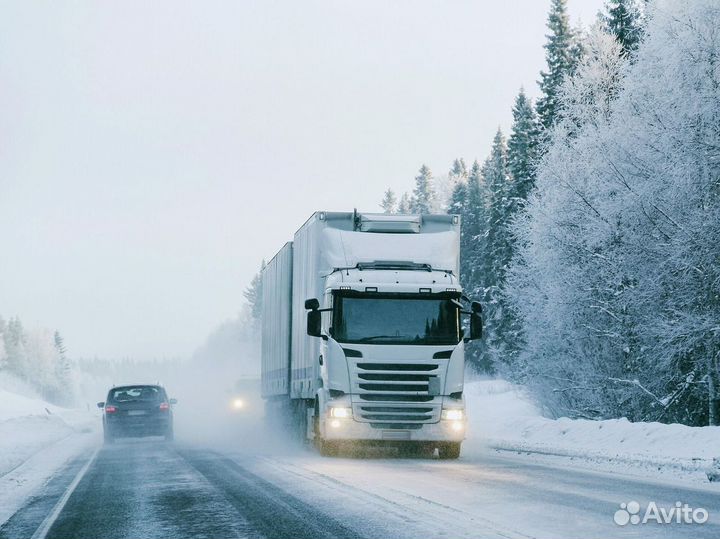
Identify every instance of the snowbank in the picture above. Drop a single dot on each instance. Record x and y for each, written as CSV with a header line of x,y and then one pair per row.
x,y
36,439
28,425
502,417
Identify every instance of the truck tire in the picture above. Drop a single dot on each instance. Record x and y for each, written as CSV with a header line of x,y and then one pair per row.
x,y
327,448
449,450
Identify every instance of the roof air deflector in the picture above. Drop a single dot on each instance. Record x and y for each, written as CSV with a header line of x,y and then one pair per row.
x,y
393,224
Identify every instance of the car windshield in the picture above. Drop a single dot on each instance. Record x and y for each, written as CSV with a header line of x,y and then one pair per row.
x,y
395,319
135,393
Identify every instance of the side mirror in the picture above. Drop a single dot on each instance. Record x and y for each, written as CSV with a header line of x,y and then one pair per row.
x,y
312,304
172,401
314,323
101,405
476,325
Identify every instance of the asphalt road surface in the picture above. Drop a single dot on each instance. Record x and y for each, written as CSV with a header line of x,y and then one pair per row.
x,y
149,488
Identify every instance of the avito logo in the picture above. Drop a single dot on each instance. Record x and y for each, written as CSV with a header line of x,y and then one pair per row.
x,y
680,513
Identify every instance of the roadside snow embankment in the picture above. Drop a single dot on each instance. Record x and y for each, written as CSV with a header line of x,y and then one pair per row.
x,y
27,425
502,417
36,439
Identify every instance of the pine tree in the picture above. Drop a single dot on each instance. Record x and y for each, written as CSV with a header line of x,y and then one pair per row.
x,y
423,194
389,201
457,201
59,344
445,187
459,169
457,204
3,351
623,20
64,383
495,172
253,294
475,221
498,252
523,146
404,205
560,55
15,347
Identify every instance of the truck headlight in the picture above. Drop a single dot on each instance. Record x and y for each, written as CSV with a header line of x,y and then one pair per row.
x,y
238,404
456,414
340,412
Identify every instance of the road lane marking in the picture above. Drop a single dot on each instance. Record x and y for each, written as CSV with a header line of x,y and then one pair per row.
x,y
46,524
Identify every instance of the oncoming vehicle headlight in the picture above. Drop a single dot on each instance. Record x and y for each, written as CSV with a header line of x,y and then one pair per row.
x,y
340,412
453,414
238,404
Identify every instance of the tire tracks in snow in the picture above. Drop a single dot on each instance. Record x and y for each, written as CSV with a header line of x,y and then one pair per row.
x,y
268,509
416,511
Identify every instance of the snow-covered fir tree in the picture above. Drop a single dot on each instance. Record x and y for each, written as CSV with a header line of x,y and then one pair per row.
x,y
423,195
253,294
475,220
523,146
15,348
404,205
623,19
499,185
497,251
389,201
457,204
3,350
561,51
445,186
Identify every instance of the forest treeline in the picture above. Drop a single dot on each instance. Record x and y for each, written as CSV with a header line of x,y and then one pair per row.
x,y
591,232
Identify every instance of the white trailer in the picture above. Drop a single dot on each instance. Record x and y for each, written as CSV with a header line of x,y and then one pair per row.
x,y
362,340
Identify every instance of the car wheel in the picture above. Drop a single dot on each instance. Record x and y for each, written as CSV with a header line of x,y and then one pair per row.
x,y
169,435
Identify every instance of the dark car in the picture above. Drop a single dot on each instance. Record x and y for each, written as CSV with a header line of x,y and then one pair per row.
x,y
137,410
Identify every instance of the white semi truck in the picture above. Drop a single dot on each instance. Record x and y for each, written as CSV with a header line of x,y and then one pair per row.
x,y
362,334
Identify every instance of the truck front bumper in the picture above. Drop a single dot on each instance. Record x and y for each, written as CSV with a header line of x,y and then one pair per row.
x,y
349,429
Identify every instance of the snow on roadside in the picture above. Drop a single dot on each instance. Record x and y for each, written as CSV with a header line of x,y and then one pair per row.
x,y
502,417
36,439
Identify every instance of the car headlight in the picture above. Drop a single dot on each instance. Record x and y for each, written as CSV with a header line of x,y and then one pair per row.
x,y
340,412
456,414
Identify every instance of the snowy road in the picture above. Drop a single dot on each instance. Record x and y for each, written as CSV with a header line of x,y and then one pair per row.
x,y
142,488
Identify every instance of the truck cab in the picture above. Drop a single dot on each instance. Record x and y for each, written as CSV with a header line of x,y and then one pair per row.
x,y
377,351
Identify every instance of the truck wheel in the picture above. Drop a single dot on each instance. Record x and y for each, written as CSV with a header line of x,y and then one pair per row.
x,y
324,447
449,451
327,448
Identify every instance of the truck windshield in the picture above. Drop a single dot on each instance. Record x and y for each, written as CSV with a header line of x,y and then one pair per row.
x,y
395,319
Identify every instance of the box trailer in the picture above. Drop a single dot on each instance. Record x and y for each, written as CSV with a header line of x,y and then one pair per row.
x,y
362,334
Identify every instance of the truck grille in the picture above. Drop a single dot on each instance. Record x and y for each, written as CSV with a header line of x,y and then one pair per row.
x,y
397,395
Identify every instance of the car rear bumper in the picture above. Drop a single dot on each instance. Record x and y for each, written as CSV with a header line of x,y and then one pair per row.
x,y
138,427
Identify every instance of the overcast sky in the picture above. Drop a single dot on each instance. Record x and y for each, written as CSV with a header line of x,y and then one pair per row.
x,y
153,153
